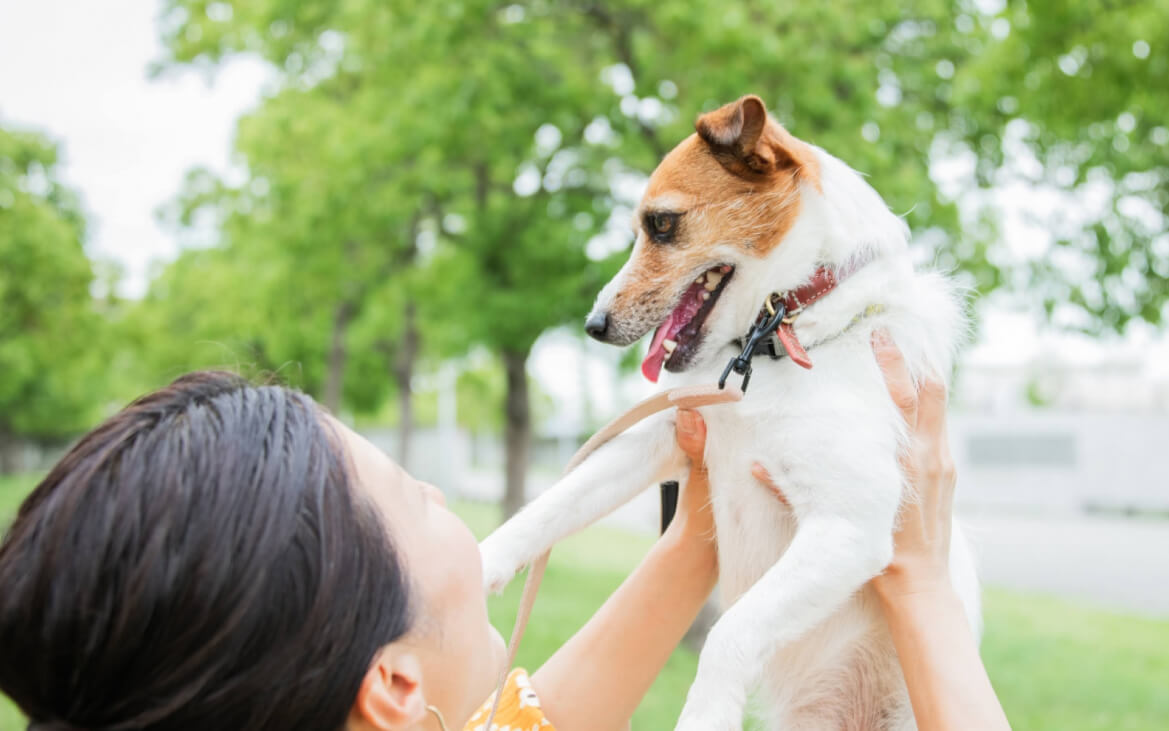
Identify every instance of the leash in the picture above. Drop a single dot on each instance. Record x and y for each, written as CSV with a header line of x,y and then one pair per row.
x,y
685,397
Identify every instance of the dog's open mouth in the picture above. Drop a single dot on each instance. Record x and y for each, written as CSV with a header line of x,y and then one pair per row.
x,y
676,340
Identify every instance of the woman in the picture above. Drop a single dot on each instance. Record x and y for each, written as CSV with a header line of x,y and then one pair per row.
x,y
226,556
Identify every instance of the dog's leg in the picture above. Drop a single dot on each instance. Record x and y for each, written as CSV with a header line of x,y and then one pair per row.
x,y
608,478
830,558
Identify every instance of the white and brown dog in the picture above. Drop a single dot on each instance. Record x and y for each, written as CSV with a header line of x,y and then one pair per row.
x,y
739,214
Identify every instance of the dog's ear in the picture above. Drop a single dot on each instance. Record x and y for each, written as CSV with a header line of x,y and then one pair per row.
x,y
746,141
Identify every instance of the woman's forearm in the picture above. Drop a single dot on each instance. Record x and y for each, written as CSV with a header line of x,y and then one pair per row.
x,y
948,685
596,681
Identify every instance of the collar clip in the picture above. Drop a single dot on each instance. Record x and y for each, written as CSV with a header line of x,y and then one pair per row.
x,y
762,338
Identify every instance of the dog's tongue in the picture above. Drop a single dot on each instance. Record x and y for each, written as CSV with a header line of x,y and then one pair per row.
x,y
691,302
651,367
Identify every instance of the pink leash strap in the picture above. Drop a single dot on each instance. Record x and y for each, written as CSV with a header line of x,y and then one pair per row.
x,y
684,397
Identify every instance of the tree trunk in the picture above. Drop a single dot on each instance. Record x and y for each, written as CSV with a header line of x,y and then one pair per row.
x,y
335,377
407,354
518,430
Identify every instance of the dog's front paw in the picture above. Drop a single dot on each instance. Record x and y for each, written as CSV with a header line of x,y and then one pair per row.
x,y
499,567
496,580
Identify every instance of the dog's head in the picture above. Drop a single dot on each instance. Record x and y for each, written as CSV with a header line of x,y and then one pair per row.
x,y
719,200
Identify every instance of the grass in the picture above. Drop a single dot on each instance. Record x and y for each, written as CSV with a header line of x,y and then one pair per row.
x,y
1056,665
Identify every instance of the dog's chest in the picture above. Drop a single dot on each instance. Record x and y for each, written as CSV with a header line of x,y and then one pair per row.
x,y
786,411
754,526
843,673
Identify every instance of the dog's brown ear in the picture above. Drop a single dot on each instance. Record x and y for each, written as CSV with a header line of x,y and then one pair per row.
x,y
746,141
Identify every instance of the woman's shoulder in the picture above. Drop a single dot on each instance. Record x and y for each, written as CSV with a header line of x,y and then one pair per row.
x,y
519,708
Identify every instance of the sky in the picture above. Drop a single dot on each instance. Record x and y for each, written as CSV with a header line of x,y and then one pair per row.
x,y
77,71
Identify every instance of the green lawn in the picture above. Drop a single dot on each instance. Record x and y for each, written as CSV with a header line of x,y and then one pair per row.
x,y
1056,665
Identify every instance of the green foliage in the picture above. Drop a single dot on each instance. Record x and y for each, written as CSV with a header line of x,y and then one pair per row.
x,y
49,328
1082,87
480,397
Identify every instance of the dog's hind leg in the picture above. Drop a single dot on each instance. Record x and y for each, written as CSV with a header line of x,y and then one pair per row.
x,y
608,478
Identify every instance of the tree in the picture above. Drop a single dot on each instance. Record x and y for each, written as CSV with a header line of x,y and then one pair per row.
x,y
316,230
49,325
1070,96
505,131
506,276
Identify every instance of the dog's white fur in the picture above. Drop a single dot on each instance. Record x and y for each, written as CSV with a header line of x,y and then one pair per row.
x,y
801,625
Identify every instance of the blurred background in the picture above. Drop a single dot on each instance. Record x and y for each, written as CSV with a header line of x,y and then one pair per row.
x,y
405,208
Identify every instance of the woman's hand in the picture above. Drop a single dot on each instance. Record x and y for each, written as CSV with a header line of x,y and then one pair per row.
x,y
693,524
921,554
947,682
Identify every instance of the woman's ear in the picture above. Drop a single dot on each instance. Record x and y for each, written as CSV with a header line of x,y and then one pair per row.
x,y
391,696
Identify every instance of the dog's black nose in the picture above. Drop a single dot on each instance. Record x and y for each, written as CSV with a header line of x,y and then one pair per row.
x,y
598,325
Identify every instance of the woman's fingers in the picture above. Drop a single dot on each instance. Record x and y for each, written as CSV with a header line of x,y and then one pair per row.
x,y
690,431
933,448
897,378
694,515
761,474
931,409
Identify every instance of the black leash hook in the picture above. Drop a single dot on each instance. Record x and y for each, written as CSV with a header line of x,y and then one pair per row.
x,y
764,326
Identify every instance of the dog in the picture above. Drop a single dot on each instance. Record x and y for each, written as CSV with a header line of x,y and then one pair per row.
x,y
740,218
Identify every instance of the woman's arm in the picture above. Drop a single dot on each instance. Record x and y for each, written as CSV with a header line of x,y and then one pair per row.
x,y
947,681
597,679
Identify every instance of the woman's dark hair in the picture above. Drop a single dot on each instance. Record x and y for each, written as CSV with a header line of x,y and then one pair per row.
x,y
202,560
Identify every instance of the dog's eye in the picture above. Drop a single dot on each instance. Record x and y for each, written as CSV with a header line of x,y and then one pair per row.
x,y
661,226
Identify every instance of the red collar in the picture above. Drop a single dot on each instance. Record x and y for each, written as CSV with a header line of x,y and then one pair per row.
x,y
822,282
795,301
784,308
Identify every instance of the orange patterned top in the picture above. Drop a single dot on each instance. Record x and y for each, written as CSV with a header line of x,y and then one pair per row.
x,y
519,708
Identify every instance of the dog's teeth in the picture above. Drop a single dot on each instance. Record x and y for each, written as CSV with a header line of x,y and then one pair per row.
x,y
713,278
710,286
669,345
705,296
700,280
